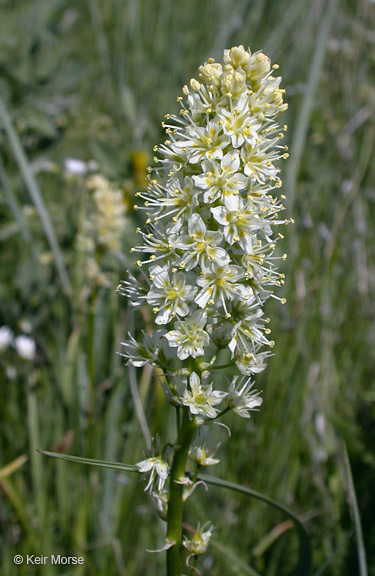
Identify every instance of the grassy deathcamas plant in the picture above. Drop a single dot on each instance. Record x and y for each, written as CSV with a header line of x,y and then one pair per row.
x,y
207,265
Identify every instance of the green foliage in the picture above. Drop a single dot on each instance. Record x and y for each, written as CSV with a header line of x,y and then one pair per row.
x,y
92,80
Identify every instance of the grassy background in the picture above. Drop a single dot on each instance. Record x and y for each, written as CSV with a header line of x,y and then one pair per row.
x,y
92,80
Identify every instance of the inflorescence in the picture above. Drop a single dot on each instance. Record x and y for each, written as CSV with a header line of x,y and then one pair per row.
x,y
207,253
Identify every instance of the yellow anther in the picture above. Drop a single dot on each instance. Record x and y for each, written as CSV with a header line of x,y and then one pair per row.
x,y
195,85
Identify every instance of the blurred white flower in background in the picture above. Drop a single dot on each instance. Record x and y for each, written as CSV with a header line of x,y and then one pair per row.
x,y
75,166
6,337
25,347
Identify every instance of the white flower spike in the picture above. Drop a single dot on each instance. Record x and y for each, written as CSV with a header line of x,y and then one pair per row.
x,y
207,263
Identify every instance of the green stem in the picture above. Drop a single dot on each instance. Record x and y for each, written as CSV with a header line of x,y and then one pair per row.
x,y
175,501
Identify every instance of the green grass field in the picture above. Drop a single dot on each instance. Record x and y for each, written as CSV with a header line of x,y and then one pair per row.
x,y
92,80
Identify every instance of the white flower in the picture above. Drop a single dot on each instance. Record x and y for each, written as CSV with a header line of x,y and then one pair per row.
x,y
202,143
177,200
259,160
252,362
201,246
240,220
220,285
221,180
170,296
199,541
248,330
189,337
25,347
158,468
202,399
239,123
160,499
241,400
141,353
6,337
200,456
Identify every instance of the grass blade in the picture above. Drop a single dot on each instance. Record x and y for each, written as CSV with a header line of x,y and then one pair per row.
x,y
14,206
362,564
10,468
304,113
139,408
35,195
92,461
304,556
232,558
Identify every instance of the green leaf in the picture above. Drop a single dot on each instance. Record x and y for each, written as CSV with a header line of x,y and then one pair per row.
x,y
91,461
304,556
361,552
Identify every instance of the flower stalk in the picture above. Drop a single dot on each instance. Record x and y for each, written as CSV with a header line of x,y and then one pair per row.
x,y
175,497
